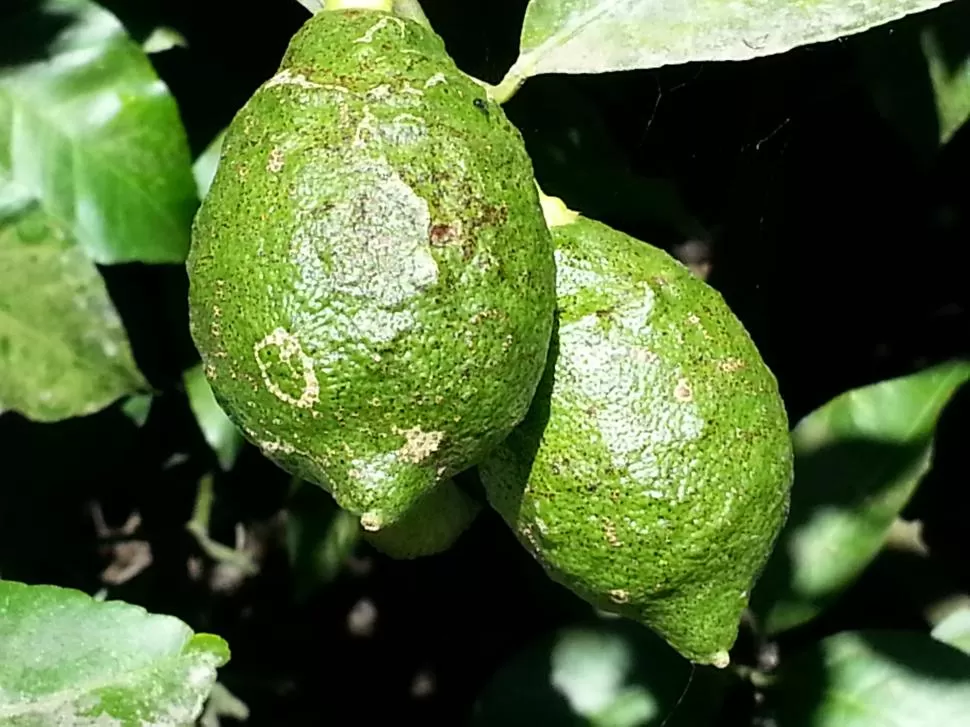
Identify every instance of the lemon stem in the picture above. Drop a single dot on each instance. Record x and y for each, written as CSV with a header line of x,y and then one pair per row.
x,y
555,210
411,9
383,5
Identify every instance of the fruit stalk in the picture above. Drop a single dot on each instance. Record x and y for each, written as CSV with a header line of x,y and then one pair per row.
x,y
382,5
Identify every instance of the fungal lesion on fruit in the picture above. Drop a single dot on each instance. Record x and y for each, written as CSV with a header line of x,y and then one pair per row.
x,y
418,444
275,161
287,371
683,391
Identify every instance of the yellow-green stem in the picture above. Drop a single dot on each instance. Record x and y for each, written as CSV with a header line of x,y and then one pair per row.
x,y
383,5
512,82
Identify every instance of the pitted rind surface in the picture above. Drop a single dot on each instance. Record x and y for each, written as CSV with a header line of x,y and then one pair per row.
x,y
371,279
652,473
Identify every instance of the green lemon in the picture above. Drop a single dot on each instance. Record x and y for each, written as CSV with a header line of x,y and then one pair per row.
x,y
430,526
652,473
372,282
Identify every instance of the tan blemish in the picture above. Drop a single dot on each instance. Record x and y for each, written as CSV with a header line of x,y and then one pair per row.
x,y
730,365
435,80
289,348
275,163
272,447
371,522
527,534
609,531
618,595
645,356
693,319
419,444
210,371
482,315
286,78
682,392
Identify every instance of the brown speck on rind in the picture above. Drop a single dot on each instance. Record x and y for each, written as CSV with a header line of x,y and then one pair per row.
x,y
730,365
682,392
441,235
619,595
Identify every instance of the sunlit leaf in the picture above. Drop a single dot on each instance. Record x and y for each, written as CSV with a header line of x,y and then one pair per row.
x,y
89,131
320,536
137,408
858,460
613,673
63,349
596,36
955,630
162,39
71,660
874,679
205,166
919,75
220,433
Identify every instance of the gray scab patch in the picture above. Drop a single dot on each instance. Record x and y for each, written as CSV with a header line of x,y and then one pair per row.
x,y
372,243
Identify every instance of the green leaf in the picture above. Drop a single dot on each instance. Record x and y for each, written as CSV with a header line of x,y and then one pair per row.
x,y
220,433
858,460
320,536
612,673
71,660
597,36
919,75
874,679
314,6
163,38
63,348
955,630
205,166
90,132
137,408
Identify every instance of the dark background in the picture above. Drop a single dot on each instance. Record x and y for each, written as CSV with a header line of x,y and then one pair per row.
x,y
836,232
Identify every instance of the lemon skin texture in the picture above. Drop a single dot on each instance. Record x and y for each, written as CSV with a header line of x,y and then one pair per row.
x,y
372,283
652,473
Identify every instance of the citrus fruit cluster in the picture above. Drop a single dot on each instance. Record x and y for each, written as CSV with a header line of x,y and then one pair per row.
x,y
383,299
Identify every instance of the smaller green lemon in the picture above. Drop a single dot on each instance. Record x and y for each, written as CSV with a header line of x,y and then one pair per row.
x,y
430,526
652,473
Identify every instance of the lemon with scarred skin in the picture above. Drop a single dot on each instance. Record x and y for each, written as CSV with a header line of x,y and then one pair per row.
x,y
652,474
372,282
